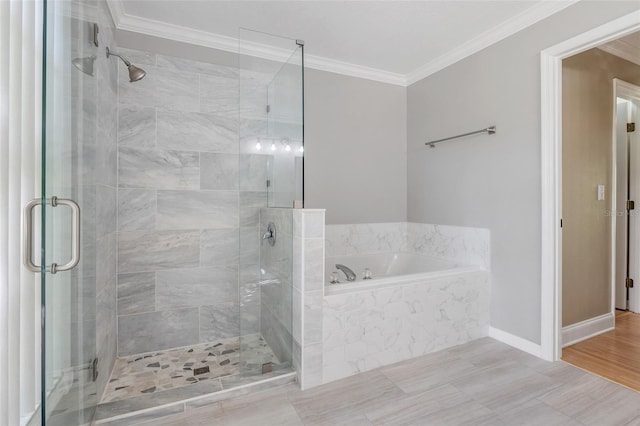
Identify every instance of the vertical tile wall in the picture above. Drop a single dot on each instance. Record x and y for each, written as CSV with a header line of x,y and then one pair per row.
x,y
308,293
183,211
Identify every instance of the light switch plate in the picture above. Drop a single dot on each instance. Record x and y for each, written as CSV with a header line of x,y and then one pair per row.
x,y
600,192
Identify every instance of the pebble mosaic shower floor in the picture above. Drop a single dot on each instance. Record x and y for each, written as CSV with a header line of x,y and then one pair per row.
x,y
152,372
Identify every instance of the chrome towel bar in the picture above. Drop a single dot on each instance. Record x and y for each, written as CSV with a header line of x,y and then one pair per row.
x,y
489,130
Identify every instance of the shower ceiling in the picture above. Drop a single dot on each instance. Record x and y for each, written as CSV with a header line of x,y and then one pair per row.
x,y
393,41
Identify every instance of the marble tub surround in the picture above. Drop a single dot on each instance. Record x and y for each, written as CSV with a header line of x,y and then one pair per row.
x,y
364,330
366,238
188,204
470,246
308,293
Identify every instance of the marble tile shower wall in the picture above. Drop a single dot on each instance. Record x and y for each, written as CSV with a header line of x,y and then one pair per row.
x,y
188,198
292,289
276,264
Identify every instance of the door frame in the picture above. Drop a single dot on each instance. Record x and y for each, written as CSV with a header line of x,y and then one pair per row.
x,y
551,172
630,92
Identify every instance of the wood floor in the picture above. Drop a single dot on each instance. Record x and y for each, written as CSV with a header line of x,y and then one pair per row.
x,y
614,355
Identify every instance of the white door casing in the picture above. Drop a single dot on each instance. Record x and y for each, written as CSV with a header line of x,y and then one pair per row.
x,y
551,172
620,265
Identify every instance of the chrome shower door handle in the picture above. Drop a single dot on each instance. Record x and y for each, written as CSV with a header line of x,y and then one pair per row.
x,y
28,235
75,234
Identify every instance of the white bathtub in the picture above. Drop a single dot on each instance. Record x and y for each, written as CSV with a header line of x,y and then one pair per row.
x,y
389,269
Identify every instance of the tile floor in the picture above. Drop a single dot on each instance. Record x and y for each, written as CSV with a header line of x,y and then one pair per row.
x,y
152,372
480,383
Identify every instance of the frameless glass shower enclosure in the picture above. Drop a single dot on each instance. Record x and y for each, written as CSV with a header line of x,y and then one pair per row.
x,y
183,235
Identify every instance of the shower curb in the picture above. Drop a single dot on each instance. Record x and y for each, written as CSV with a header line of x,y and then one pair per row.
x,y
141,415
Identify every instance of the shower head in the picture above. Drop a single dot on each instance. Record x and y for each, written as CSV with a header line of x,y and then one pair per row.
x,y
135,73
85,64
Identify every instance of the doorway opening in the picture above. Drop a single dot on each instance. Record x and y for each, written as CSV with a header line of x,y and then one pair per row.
x,y
607,344
600,231
551,60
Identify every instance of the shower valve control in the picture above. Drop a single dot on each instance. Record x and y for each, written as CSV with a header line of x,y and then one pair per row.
x,y
270,235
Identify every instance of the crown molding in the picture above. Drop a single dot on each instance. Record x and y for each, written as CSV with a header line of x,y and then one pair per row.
x,y
155,28
346,68
525,19
622,50
116,9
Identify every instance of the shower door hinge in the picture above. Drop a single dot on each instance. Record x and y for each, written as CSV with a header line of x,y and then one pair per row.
x,y
629,283
96,30
631,127
268,109
268,183
94,369
631,205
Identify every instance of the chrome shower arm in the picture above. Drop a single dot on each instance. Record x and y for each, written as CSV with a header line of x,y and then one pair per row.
x,y
109,53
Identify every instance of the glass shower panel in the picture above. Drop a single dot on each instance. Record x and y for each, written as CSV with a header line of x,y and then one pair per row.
x,y
270,135
69,388
286,130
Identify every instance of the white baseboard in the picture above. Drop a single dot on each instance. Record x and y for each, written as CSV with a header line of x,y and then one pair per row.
x,y
515,341
586,329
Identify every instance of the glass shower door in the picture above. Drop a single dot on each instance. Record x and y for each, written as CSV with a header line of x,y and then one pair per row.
x,y
67,213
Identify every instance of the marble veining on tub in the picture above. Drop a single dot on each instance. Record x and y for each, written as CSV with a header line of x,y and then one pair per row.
x,y
367,329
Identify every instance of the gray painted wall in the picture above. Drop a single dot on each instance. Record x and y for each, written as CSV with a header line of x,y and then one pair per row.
x,y
493,181
355,138
355,148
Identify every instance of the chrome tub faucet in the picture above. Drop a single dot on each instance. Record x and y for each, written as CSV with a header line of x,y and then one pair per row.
x,y
351,276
